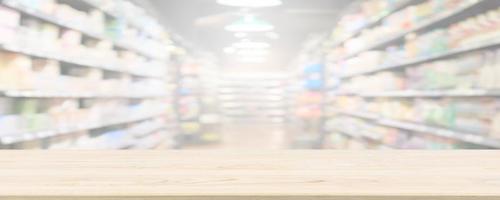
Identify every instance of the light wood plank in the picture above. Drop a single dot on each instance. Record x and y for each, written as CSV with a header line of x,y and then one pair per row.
x,y
249,175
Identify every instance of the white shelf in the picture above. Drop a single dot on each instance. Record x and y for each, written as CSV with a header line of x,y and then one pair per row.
x,y
364,137
150,130
425,93
442,16
47,94
415,127
62,23
490,44
374,21
16,138
115,15
81,62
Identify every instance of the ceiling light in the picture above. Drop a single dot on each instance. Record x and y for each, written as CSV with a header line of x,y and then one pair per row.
x,y
251,45
250,3
252,59
252,52
249,58
240,35
273,35
249,23
229,50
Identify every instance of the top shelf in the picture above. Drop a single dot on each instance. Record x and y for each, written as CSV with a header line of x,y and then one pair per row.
x,y
445,17
113,14
59,22
375,20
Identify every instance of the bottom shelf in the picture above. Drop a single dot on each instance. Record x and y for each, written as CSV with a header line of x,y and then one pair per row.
x,y
372,127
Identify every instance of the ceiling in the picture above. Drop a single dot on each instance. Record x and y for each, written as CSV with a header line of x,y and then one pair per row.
x,y
293,21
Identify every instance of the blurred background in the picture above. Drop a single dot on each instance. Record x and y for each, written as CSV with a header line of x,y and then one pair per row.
x,y
249,74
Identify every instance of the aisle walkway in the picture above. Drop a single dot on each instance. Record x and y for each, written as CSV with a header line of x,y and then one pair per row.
x,y
250,136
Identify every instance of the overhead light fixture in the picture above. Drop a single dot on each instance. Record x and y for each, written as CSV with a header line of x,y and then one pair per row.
x,y
252,52
251,45
273,35
229,50
249,23
240,35
250,3
256,59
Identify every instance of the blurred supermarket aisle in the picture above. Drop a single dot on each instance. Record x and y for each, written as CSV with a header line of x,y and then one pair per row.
x,y
249,135
260,135
250,74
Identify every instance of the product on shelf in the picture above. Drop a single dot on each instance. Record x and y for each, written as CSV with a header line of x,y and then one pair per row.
x,y
74,76
473,71
353,133
424,76
477,30
467,116
367,13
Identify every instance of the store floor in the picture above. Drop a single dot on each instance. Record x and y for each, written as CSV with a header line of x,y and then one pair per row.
x,y
250,135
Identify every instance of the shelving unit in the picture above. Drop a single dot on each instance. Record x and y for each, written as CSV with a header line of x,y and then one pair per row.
x,y
371,22
309,97
197,103
253,98
391,85
75,74
451,53
426,129
210,119
442,17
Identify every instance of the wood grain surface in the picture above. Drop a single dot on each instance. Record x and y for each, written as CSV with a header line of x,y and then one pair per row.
x,y
249,175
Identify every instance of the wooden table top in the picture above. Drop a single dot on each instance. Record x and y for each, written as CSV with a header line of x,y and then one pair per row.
x,y
249,175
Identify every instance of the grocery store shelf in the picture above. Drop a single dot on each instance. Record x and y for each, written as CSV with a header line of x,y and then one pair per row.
x,y
42,16
149,142
442,132
96,5
364,138
375,20
80,62
362,115
114,15
150,130
83,95
62,23
455,52
425,93
21,137
443,17
126,145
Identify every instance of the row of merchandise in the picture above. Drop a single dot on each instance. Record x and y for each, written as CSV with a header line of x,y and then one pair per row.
x,y
478,30
197,101
419,76
401,24
470,115
135,16
83,74
143,134
308,98
473,71
34,37
20,73
364,15
256,98
188,101
92,22
360,134
30,117
210,118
